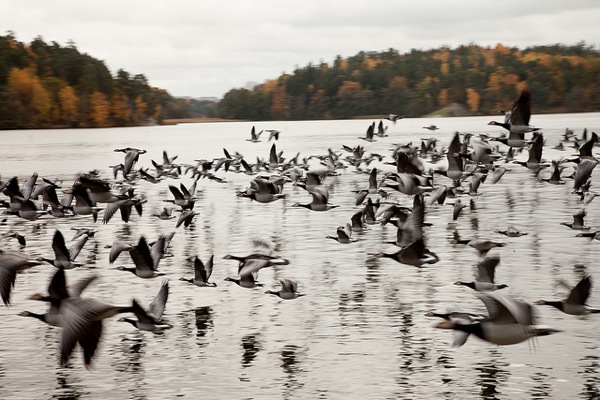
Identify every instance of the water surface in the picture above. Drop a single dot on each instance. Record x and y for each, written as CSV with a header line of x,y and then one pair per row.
x,y
360,331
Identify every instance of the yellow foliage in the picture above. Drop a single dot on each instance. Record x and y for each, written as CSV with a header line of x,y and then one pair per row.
x,y
119,107
370,63
473,100
279,106
500,49
398,82
31,93
99,109
444,68
520,86
269,86
348,87
344,65
443,97
443,55
69,104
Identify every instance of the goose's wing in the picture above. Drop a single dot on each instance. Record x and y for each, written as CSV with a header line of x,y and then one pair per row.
x,y
287,285
580,293
60,248
252,266
57,288
373,179
79,326
486,269
76,248
262,246
578,217
130,158
313,179
412,229
11,262
176,192
342,234
141,256
29,185
116,249
208,267
320,195
185,191
505,310
157,306
111,209
199,270
157,251
521,111
583,172
76,289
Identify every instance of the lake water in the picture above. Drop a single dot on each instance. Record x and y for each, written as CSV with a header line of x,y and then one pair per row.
x,y
360,331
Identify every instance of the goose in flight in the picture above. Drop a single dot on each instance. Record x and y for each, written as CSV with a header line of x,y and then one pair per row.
x,y
575,302
288,291
150,319
517,123
202,273
486,270
510,321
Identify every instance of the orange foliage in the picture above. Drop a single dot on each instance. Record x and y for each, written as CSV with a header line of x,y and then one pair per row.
x,y
520,86
444,68
99,109
69,109
370,63
344,65
443,97
30,92
279,106
443,55
488,55
510,79
140,107
348,87
398,82
501,49
473,100
269,86
119,108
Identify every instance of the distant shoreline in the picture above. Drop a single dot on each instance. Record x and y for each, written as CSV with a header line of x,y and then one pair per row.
x,y
175,121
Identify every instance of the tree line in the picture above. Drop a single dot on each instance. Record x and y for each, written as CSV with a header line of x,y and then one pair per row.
x,y
48,85
483,79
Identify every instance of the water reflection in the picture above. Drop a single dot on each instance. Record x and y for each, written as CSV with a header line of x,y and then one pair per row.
x,y
204,323
291,366
129,364
251,346
67,386
591,373
541,388
491,375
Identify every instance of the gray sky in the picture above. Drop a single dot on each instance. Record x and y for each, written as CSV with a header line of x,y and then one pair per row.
x,y
205,48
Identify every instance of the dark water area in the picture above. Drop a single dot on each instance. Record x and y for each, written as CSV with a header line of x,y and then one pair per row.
x,y
360,332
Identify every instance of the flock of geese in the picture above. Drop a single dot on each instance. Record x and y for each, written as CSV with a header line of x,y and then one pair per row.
x,y
470,161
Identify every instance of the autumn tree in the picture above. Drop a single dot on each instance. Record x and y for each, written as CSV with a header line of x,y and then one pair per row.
x,y
27,88
473,99
69,105
99,109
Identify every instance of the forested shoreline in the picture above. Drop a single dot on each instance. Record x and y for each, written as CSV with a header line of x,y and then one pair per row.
x,y
416,83
52,86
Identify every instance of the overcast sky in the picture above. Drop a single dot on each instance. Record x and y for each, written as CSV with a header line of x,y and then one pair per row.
x,y
205,48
